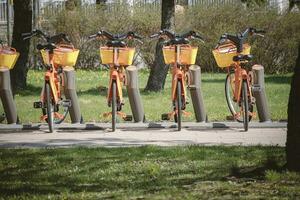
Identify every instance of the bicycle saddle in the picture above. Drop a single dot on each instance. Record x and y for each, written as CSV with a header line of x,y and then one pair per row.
x,y
242,57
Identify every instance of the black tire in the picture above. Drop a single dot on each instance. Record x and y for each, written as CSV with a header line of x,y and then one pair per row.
x,y
49,107
178,105
234,106
245,105
114,106
61,110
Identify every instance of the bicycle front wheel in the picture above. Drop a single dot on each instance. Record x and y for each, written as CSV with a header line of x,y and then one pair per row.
x,y
61,110
49,107
234,106
178,105
245,105
114,105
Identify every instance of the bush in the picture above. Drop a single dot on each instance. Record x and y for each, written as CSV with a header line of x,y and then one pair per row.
x,y
277,51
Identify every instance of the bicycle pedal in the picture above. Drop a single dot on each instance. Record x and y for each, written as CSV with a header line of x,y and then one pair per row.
x,y
128,118
165,116
65,103
38,104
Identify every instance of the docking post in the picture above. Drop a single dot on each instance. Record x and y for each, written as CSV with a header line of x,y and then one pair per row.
x,y
134,94
259,93
196,93
70,93
6,95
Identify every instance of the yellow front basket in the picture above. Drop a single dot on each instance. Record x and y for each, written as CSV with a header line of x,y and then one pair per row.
x,y
187,55
124,55
224,54
64,55
8,57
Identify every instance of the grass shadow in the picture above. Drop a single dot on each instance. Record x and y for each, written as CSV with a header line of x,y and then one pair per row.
x,y
255,173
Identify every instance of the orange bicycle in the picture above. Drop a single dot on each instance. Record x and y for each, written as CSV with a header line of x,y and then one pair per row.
x,y
57,53
232,52
180,55
118,56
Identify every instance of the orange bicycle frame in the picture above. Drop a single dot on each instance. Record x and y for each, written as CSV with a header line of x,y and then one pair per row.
x,y
178,73
116,74
52,78
240,74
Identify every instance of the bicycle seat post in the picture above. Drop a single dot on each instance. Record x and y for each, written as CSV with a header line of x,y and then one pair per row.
x,y
177,51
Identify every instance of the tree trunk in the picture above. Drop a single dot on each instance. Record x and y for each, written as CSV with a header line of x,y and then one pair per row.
x,y
159,71
22,24
293,132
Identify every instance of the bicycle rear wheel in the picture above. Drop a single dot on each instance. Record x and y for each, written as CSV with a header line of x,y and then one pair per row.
x,y
49,107
114,105
233,105
178,105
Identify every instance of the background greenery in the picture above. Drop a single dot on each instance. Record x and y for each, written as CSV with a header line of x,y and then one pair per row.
x,y
276,52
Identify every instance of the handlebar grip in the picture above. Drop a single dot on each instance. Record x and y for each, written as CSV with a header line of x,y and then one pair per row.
x,y
199,37
26,34
138,37
260,31
154,35
93,36
26,38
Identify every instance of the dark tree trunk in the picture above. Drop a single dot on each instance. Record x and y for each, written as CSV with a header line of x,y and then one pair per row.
x,y
159,71
22,24
293,132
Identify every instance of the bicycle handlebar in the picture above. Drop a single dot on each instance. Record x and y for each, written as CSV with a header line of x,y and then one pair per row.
x,y
177,38
56,39
239,38
119,37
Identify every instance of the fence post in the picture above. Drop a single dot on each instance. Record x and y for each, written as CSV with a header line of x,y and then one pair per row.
x,y
7,99
196,93
259,93
70,93
134,94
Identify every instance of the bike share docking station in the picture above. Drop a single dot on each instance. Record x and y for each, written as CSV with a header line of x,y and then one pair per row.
x,y
6,95
259,93
70,93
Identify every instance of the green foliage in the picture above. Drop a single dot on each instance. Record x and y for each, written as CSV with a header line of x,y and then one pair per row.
x,y
276,52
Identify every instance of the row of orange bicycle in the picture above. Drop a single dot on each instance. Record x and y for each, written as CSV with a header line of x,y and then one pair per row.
x,y
232,52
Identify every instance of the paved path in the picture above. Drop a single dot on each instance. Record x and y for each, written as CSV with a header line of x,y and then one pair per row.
x,y
138,135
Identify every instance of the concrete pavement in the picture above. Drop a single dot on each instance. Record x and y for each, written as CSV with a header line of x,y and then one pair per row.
x,y
143,134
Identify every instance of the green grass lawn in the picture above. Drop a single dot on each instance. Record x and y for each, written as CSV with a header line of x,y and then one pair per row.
x,y
92,90
147,173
